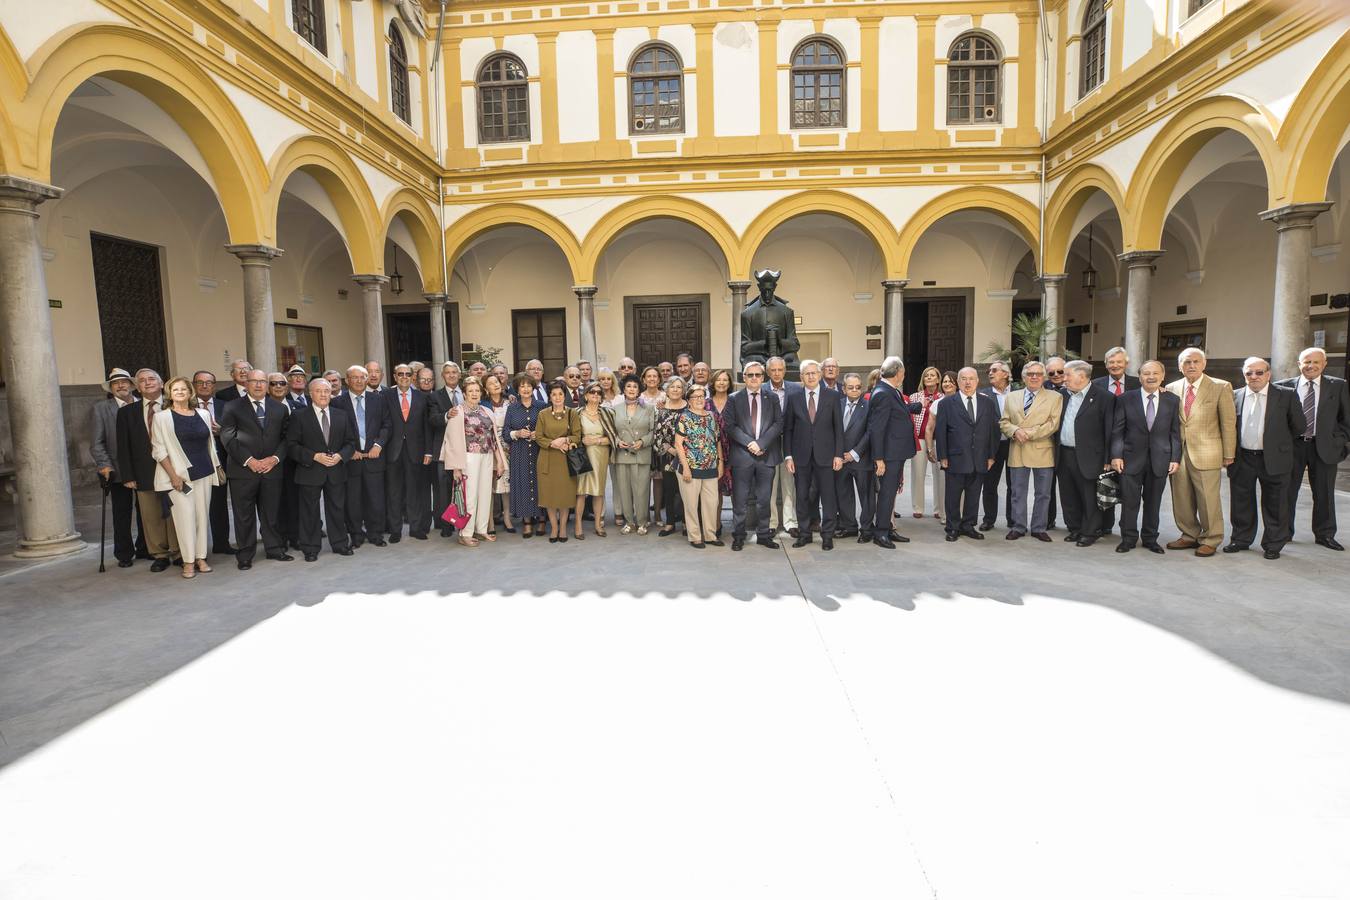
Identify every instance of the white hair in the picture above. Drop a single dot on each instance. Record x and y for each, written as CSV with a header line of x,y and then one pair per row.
x,y
891,366
1079,365
807,362
1191,351
361,369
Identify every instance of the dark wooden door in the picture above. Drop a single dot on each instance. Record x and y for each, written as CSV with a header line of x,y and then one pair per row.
x,y
130,304
947,334
407,336
662,331
540,334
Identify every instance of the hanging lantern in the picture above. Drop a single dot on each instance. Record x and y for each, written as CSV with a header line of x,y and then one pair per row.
x,y
395,279
1089,274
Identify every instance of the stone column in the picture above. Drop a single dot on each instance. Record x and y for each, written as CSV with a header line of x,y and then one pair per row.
x,y
893,330
586,303
1051,285
46,515
440,349
1139,283
260,342
1290,330
371,286
738,291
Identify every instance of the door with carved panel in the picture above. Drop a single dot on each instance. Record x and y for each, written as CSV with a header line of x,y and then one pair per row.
x,y
661,331
947,334
130,304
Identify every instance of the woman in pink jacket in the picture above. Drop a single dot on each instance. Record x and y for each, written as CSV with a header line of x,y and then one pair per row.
x,y
472,449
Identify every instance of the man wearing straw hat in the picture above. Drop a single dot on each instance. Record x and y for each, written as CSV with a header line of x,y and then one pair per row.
x,y
104,450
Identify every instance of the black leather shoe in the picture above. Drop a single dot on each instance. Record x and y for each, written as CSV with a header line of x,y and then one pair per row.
x,y
357,544
159,565
395,538
1272,554
1154,548
951,537
884,541
124,564
1013,535
846,533
715,542
1330,543
1233,548
245,565
377,542
972,533
827,543
1041,536
345,551
1071,537
802,541
898,538
864,539
1123,547
795,532
697,545
420,536
986,526
280,557
737,544
1087,541
770,544
176,563
311,557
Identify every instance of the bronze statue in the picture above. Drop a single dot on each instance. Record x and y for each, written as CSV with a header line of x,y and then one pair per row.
x,y
767,326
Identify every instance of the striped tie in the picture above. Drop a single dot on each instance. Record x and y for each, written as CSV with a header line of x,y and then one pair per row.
x,y
1027,401
1310,411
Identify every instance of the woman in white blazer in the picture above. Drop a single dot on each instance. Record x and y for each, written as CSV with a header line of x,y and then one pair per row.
x,y
182,443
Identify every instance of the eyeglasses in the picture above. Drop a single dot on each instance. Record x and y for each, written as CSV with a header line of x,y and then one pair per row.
x,y
1055,372
749,375
272,383
402,374
203,381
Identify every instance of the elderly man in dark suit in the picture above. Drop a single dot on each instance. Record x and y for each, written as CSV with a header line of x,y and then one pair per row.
x,y
366,513
1116,382
139,467
754,423
253,432
238,384
1325,402
1085,429
813,450
1269,421
853,484
321,439
890,429
966,438
1145,450
103,448
408,459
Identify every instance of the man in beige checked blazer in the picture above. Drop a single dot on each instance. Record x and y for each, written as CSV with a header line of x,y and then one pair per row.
x,y
1208,445
1030,422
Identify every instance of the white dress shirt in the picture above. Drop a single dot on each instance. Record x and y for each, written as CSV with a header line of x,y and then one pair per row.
x,y
1317,394
1252,434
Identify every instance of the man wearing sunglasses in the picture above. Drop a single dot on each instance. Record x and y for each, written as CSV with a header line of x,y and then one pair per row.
x,y
407,488
754,422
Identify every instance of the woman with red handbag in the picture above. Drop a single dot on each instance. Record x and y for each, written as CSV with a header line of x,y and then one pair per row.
x,y
472,451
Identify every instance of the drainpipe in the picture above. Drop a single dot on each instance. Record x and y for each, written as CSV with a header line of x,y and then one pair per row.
x,y
440,158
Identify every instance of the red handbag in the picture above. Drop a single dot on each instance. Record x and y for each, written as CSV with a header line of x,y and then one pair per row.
x,y
454,514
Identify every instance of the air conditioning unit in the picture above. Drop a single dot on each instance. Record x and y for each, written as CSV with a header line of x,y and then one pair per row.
x,y
639,124
990,113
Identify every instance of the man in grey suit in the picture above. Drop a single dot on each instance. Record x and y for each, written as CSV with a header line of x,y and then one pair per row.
x,y
1269,420
103,448
1325,402
754,423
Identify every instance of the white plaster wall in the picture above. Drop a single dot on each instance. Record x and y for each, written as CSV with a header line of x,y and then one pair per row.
x,y
736,86
1274,83
792,32
368,44
898,74
626,40
1121,158
578,101
681,37
30,25
382,187
531,276
472,52
1003,26
1142,19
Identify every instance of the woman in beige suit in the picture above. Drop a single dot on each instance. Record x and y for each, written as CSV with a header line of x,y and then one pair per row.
x,y
182,443
632,459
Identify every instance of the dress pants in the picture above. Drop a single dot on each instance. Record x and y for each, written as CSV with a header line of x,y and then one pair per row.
x,y
1145,487
671,499
1196,507
1079,494
256,502
441,490
365,502
857,478
478,493
751,498
334,494
1039,480
989,487
192,518
1322,479
160,539
288,514
632,491
887,487
784,497
963,500
407,494
220,519
1247,470
123,501
702,503
816,481
918,471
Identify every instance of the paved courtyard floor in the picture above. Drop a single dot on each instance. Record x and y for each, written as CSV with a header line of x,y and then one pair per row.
x,y
630,718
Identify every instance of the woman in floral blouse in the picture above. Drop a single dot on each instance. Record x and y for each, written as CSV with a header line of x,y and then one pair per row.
x,y
700,466
664,437
472,449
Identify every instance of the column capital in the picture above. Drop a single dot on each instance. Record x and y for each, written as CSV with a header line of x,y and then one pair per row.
x,y
895,284
256,253
433,299
1295,215
584,291
371,281
26,191
1052,279
740,285
1138,258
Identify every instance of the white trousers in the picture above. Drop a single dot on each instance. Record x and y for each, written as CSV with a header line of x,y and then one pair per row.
x,y
478,492
784,491
192,519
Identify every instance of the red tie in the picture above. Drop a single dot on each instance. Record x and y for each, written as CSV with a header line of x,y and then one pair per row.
x,y
1190,399
403,402
754,413
1118,388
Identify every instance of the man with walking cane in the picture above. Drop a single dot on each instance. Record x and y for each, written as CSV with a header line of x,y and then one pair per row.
x,y
103,448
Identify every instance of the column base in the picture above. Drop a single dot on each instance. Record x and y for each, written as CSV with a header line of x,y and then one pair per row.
x,y
65,545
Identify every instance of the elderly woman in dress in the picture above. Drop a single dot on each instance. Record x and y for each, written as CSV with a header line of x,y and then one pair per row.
x,y
495,399
700,467
471,449
597,436
557,430
523,454
666,417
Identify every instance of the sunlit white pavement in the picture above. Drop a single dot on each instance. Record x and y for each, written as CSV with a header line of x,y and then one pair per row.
x,y
653,746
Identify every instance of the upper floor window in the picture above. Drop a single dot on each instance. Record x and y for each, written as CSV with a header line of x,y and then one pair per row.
x,y
309,23
656,90
398,75
1194,6
972,81
1092,50
503,100
818,85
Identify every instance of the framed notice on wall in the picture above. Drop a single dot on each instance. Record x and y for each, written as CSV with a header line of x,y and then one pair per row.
x,y
302,344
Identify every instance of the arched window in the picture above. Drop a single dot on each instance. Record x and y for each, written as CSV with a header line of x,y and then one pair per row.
x,y
656,90
309,23
398,75
503,100
973,81
1092,50
818,85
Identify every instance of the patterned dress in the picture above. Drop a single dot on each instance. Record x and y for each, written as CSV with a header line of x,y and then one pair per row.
x,y
522,461
724,448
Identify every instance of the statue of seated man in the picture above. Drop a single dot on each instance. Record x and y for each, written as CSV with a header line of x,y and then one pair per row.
x,y
767,326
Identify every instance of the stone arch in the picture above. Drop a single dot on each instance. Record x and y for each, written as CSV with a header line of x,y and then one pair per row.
x,y
335,172
172,81
417,216
458,234
1065,205
1018,212
619,218
1312,131
846,206
13,85
1161,167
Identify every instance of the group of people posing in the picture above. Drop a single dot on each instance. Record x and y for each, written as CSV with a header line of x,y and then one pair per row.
x,y
345,457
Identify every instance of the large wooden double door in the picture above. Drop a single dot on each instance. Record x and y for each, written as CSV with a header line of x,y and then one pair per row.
x,y
664,327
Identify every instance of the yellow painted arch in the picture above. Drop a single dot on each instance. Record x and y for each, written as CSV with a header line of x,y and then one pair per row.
x,y
1020,213
172,81
847,206
13,85
500,215
1067,202
1159,169
330,165
634,211
1312,130
423,227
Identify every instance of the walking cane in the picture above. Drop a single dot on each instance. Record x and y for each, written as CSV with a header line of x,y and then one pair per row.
x,y
103,525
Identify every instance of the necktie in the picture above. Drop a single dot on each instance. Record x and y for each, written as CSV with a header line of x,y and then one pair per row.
x,y
1250,421
150,415
970,407
361,418
1027,401
403,402
1150,412
848,414
754,413
1117,387
811,405
1190,398
1310,411
261,413
323,425
300,401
